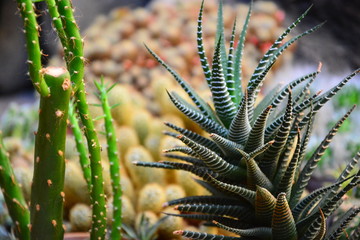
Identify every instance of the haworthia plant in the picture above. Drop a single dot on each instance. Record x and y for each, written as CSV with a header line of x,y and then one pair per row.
x,y
47,196
253,161
13,195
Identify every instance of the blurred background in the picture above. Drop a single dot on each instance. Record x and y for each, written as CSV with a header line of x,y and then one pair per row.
x,y
336,44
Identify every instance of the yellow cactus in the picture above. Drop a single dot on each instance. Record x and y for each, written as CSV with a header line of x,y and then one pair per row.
x,y
127,138
174,191
75,188
170,225
128,211
142,176
151,197
80,217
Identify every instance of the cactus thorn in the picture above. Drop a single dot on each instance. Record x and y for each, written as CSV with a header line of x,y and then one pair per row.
x,y
53,222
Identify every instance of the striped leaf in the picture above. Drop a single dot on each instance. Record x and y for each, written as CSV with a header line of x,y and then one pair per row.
x,y
256,135
286,183
228,148
195,137
240,126
203,236
269,162
238,57
245,193
213,161
224,106
192,160
283,224
307,171
204,122
264,205
204,200
255,177
220,210
313,197
321,233
209,218
200,47
341,224
199,102
258,233
221,36
230,83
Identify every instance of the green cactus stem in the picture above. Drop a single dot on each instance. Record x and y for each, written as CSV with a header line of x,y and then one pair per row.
x,y
31,30
14,198
97,186
75,64
80,145
74,46
114,160
57,24
47,196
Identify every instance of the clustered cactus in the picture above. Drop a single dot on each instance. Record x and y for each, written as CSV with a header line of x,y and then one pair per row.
x,y
253,161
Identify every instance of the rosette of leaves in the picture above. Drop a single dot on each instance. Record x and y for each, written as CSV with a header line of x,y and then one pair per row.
x,y
253,162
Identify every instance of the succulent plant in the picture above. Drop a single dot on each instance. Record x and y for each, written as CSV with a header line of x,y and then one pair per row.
x,y
253,160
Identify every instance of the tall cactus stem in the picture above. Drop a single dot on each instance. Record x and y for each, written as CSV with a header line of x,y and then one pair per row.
x,y
13,195
97,187
31,30
75,64
114,160
47,196
74,47
57,24
80,144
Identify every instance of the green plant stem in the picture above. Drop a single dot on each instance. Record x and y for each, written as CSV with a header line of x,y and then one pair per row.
x,y
80,145
55,16
13,195
97,186
31,30
47,196
74,46
113,160
75,64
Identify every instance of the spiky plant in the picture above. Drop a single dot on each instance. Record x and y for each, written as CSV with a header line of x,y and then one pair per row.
x,y
253,160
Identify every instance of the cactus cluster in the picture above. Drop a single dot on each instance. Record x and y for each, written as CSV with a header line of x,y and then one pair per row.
x,y
114,43
252,160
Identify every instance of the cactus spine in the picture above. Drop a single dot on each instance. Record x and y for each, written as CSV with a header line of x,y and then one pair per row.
x,y
47,196
13,196
113,159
